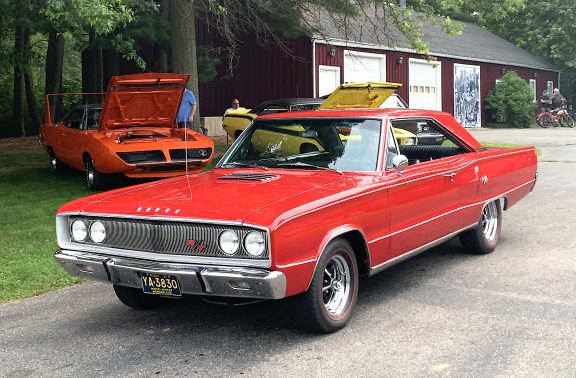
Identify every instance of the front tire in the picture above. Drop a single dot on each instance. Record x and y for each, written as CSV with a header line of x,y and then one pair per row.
x,y
136,298
483,238
328,303
567,120
94,179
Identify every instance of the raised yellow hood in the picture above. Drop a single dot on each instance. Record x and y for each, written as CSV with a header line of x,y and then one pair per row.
x,y
360,95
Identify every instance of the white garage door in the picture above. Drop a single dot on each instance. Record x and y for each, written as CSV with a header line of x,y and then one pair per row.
x,y
328,79
425,85
362,67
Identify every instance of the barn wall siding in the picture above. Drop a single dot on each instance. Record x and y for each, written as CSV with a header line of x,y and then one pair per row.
x,y
262,73
399,72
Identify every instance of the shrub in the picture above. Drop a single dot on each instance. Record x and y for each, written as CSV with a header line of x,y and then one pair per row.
x,y
511,102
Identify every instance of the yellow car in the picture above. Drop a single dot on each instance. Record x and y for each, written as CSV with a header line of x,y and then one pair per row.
x,y
235,121
354,95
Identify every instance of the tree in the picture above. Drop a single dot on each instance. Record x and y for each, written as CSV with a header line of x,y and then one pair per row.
x,y
511,102
184,60
542,27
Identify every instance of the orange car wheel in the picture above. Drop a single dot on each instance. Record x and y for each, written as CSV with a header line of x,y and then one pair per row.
x,y
94,179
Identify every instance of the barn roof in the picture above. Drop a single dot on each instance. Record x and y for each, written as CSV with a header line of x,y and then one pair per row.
x,y
474,43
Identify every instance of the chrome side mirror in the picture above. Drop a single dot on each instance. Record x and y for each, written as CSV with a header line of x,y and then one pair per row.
x,y
399,162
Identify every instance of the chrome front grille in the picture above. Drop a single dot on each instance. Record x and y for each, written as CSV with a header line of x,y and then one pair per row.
x,y
167,237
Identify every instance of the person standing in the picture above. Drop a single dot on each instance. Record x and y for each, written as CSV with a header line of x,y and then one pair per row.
x,y
557,100
544,101
187,110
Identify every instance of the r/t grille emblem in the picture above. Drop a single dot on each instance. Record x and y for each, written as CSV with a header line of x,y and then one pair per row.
x,y
196,245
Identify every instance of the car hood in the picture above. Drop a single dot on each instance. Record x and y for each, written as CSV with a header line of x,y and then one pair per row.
x,y
230,195
360,95
148,99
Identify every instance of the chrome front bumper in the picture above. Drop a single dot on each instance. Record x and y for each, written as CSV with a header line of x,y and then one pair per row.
x,y
193,279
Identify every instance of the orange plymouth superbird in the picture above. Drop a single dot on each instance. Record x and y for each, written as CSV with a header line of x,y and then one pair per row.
x,y
134,133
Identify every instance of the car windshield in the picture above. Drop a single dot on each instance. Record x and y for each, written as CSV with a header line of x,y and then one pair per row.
x,y
342,144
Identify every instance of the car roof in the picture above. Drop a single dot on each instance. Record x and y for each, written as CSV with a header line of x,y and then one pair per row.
x,y
355,112
446,119
286,102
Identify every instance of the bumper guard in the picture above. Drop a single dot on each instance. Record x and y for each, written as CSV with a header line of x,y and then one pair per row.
x,y
194,279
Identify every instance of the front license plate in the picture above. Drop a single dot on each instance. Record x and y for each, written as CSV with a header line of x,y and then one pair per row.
x,y
160,284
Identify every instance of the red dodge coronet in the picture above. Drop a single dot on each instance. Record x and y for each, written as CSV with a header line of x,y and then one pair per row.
x,y
274,220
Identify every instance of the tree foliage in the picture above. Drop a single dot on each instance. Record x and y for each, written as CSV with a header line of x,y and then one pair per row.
x,y
511,102
543,27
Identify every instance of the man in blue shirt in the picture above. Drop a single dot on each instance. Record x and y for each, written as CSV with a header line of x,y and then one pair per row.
x,y
187,110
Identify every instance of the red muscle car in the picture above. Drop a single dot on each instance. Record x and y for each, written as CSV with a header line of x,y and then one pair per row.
x,y
270,222
133,134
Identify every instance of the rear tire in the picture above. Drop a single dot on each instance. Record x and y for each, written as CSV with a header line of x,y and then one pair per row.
x,y
136,298
56,164
94,179
544,120
483,238
328,304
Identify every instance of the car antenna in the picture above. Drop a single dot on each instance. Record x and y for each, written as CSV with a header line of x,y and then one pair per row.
x,y
186,157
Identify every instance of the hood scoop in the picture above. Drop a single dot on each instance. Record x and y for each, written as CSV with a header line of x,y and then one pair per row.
x,y
262,177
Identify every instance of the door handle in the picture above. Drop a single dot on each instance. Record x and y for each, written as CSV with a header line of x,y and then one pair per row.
x,y
450,175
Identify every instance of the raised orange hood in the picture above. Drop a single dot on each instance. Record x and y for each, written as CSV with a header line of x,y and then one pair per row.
x,y
143,100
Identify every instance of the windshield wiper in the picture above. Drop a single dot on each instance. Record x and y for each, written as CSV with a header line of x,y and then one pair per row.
x,y
299,164
239,164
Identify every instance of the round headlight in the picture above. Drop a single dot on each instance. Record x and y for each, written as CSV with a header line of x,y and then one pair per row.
x,y
254,243
97,232
79,230
410,141
228,242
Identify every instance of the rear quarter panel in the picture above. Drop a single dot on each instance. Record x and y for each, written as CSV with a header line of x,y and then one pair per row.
x,y
507,172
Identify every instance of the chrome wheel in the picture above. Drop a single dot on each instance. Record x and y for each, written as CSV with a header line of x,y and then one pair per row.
x,y
94,179
90,175
55,164
484,237
328,303
490,220
336,286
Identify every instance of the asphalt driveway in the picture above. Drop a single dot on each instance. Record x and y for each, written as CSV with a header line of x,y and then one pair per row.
x,y
443,313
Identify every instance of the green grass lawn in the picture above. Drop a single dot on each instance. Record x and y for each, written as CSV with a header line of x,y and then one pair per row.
x,y
30,196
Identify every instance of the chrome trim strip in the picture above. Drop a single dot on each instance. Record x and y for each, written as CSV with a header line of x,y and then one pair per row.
x,y
386,187
414,252
296,263
163,218
223,261
218,280
484,202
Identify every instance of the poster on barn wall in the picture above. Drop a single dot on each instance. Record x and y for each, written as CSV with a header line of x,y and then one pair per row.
x,y
467,95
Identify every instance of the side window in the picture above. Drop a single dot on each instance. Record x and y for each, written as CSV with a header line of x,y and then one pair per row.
x,y
301,107
93,119
73,120
422,140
